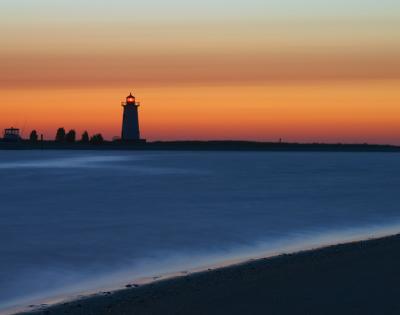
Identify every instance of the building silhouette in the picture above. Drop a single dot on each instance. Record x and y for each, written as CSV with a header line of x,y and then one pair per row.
x,y
11,134
130,121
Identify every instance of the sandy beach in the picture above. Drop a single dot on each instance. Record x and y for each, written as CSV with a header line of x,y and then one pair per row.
x,y
354,278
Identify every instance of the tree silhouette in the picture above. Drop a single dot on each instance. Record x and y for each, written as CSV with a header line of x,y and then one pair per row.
x,y
60,136
97,139
85,137
33,136
70,137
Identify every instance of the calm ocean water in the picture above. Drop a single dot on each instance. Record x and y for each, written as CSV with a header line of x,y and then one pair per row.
x,y
73,221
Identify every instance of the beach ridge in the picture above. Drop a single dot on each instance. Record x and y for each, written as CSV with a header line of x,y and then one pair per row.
x,y
311,280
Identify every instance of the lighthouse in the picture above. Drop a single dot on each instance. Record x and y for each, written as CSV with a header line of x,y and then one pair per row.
x,y
130,121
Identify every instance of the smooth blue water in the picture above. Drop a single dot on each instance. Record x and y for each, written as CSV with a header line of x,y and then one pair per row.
x,y
74,220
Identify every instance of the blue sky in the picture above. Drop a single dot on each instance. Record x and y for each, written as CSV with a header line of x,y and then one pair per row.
x,y
179,9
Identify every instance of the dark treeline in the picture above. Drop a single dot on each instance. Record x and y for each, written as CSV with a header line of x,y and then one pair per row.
x,y
69,137
70,140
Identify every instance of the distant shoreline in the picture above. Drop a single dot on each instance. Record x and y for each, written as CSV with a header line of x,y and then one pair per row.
x,y
359,277
200,146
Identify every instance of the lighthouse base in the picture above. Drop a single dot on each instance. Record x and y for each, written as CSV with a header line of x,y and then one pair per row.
x,y
131,141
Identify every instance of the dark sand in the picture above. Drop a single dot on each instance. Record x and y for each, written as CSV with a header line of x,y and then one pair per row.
x,y
357,278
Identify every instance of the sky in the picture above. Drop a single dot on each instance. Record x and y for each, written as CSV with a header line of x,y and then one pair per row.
x,y
309,70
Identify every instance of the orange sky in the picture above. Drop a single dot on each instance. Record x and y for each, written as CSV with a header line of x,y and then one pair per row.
x,y
317,78
350,111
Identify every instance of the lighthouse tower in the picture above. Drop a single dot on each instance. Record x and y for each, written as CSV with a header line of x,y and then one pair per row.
x,y
130,122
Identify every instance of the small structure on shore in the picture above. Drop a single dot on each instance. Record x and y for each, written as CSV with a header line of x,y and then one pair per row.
x,y
11,135
130,121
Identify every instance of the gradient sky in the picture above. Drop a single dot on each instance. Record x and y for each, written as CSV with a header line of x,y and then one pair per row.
x,y
309,70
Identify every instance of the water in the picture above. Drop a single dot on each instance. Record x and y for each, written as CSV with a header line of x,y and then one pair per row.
x,y
72,221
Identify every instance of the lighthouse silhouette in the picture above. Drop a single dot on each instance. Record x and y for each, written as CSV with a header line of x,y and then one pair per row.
x,y
130,121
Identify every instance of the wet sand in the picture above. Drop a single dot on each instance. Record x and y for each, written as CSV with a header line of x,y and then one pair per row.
x,y
354,278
